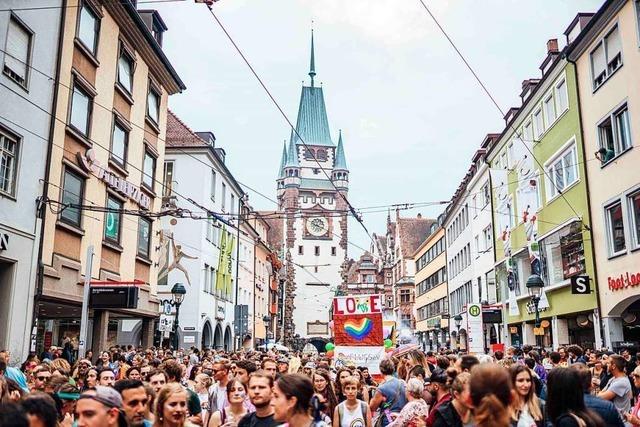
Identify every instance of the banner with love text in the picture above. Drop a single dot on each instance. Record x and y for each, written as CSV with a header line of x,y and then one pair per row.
x,y
358,330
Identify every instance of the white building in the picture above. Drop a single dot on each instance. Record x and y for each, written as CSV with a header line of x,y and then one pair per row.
x,y
470,257
194,169
30,50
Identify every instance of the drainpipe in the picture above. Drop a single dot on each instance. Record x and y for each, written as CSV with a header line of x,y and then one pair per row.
x,y
240,219
589,207
41,209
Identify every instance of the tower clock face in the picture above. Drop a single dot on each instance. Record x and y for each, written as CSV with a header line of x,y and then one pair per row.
x,y
317,226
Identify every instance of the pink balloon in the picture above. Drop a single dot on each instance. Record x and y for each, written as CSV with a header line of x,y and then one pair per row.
x,y
331,324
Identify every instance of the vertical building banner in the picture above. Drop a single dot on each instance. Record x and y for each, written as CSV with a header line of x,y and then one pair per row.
x,y
475,331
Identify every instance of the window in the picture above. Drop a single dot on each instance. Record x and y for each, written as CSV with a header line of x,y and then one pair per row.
x,y
213,184
477,245
17,52
486,191
633,202
637,3
125,70
232,208
119,143
562,100
300,250
153,105
148,169
615,229
405,296
563,171
528,133
538,124
224,196
511,154
112,219
317,251
88,28
72,194
614,135
167,180
81,106
487,235
549,111
606,58
144,237
333,251
8,163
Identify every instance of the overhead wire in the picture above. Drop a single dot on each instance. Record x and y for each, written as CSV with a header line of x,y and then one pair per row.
x,y
495,103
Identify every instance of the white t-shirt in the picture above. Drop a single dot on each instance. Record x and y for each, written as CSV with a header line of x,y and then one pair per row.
x,y
350,418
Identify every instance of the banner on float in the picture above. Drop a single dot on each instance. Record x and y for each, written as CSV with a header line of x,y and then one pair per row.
x,y
368,357
358,330
475,333
358,304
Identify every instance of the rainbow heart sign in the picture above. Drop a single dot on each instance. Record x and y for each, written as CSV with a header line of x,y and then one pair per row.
x,y
358,330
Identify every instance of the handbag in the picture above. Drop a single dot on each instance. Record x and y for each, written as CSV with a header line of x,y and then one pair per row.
x,y
377,422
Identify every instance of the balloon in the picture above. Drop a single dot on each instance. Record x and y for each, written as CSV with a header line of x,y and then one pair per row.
x,y
330,354
388,343
329,346
331,325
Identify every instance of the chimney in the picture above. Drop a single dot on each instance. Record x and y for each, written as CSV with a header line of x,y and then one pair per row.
x,y
552,53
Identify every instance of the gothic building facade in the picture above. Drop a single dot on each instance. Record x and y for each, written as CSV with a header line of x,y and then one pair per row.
x,y
312,186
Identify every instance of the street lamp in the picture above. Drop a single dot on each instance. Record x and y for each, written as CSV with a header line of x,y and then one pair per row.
x,y
534,286
267,324
458,320
178,291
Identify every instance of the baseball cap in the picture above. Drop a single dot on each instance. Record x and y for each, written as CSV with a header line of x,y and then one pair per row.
x,y
310,365
110,398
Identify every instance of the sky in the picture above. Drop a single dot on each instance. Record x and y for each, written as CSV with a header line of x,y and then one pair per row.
x,y
411,114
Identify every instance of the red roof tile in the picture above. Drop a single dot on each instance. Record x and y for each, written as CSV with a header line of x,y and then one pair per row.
x,y
180,135
412,232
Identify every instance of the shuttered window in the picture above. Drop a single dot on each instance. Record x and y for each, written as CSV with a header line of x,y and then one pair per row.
x,y
16,58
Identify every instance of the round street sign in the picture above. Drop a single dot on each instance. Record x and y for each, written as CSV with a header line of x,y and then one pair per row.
x,y
474,310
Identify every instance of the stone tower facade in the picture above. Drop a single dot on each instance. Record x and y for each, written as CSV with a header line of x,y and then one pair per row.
x,y
312,186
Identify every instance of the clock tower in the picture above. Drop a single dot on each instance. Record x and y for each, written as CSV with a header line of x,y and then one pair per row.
x,y
312,187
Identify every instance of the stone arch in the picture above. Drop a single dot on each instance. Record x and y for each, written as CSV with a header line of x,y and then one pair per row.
x,y
207,335
318,343
218,337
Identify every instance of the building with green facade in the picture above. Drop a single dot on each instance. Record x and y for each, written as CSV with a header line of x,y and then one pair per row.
x,y
540,212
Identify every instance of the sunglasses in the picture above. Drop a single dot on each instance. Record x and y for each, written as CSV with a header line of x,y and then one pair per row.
x,y
43,378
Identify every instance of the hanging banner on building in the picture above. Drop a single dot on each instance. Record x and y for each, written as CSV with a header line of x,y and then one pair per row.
x,y
358,330
475,331
367,357
224,275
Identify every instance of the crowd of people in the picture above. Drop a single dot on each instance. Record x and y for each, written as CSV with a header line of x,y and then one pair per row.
x,y
522,387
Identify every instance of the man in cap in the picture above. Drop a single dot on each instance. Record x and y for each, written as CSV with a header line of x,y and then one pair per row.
x,y
283,366
438,389
101,407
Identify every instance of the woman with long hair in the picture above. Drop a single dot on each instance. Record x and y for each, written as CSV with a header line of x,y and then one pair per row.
x,y
526,408
343,374
232,413
171,407
292,400
490,390
323,388
91,380
633,417
565,401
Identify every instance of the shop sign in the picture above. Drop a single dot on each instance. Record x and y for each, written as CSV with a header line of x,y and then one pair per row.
x,y
580,285
624,281
90,164
220,310
4,241
434,322
531,308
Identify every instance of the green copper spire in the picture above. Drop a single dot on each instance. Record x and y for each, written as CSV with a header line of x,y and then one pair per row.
x,y
292,156
340,162
283,161
312,67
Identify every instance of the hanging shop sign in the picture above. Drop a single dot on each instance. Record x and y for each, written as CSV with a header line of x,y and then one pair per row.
x,y
580,285
90,164
531,308
625,280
